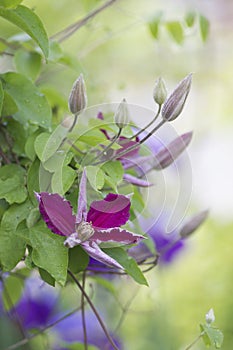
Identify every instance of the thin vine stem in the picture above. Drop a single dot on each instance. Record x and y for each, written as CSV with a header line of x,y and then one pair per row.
x,y
71,29
114,140
83,314
148,125
132,148
94,310
26,340
195,341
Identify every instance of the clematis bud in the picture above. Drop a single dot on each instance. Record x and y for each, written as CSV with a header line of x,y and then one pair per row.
x,y
122,114
78,97
160,91
176,101
168,154
193,224
209,317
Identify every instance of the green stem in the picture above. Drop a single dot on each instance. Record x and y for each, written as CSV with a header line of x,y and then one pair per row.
x,y
71,29
83,314
94,310
148,125
195,341
103,152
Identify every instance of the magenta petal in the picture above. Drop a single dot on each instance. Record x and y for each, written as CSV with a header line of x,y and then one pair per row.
x,y
57,213
82,199
95,252
112,211
116,234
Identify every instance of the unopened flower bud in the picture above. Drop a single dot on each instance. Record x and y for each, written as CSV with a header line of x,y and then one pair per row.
x,y
160,91
193,224
209,317
122,115
176,101
168,154
78,97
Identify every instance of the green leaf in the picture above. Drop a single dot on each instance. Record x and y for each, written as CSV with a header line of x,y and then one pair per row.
x,y
46,277
63,179
40,145
28,63
176,31
33,180
12,247
10,3
130,265
78,259
12,183
9,106
190,18
33,217
55,51
19,136
29,145
29,22
95,176
154,25
31,103
49,252
212,336
204,27
1,97
92,137
12,291
47,144
105,283
113,172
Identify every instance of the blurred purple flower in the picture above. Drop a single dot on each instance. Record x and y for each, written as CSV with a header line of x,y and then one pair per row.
x,y
39,307
70,330
167,245
100,224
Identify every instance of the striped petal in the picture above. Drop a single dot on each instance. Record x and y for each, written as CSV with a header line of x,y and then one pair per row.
x,y
95,252
112,211
57,213
117,235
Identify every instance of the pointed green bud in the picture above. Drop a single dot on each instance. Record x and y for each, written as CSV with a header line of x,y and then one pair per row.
x,y
210,317
160,91
78,98
193,224
121,116
167,155
176,101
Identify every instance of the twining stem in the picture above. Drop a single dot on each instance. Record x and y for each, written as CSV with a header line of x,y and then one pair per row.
x,y
129,149
71,29
83,314
115,138
94,310
74,122
148,125
195,341
26,340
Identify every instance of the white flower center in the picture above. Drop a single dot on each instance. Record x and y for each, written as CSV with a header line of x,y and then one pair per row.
x,y
84,231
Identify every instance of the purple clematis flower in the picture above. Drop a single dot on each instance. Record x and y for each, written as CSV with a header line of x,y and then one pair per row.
x,y
100,224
